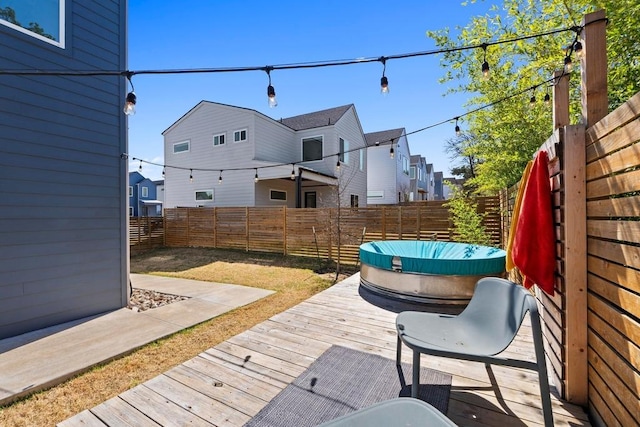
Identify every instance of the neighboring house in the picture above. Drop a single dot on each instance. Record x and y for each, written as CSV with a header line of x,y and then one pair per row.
x,y
223,155
438,190
448,183
389,181
159,189
430,182
143,199
418,176
63,179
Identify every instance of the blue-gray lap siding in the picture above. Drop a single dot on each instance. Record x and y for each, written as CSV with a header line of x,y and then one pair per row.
x,y
63,183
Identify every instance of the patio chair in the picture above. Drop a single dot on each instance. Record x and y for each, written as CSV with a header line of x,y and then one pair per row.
x,y
486,327
402,411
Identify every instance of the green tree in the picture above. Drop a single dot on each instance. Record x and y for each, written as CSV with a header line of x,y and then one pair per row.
x,y
467,222
508,133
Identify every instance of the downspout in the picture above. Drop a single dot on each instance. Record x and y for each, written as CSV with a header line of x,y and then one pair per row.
x,y
299,189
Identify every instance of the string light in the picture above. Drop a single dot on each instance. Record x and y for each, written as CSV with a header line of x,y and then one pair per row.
x,y
220,178
547,98
568,64
384,82
271,92
338,165
191,175
293,171
377,143
140,167
255,178
457,128
391,152
163,168
130,102
485,64
577,48
532,101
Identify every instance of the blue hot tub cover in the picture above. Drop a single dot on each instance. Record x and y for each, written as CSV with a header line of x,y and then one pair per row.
x,y
434,257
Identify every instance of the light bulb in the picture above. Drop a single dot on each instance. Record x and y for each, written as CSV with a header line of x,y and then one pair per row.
x,y
485,70
577,48
568,65
255,178
130,104
271,94
384,85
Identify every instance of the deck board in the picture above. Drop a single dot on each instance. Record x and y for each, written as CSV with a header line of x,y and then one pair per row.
x,y
231,382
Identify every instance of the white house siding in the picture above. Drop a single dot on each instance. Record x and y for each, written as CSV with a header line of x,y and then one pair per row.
x,y
382,176
198,127
273,141
353,180
263,192
63,191
403,181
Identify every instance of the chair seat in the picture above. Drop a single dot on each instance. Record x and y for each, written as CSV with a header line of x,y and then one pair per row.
x,y
445,332
402,411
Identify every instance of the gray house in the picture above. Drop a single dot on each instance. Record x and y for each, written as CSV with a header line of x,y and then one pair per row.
x,y
390,184
223,155
63,181
419,179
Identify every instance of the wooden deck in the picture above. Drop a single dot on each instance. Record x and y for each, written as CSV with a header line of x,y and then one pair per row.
x,y
231,382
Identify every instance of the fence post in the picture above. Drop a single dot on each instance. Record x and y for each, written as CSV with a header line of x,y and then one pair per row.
x,y
284,230
215,227
560,100
593,64
246,228
575,223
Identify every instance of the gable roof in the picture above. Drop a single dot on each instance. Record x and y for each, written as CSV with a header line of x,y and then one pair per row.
x,y
316,119
383,136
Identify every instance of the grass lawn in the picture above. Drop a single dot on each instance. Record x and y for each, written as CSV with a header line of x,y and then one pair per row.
x,y
294,280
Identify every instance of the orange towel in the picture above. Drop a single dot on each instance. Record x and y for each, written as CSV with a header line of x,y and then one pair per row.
x,y
534,246
515,214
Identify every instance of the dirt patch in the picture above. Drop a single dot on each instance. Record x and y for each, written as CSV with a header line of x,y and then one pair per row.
x,y
143,299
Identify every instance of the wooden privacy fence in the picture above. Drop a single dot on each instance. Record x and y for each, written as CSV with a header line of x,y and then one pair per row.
x,y
145,233
592,323
322,233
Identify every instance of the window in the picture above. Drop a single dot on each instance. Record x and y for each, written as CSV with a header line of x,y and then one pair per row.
x,y
240,135
312,148
354,200
278,195
130,191
181,147
344,151
412,172
310,199
405,165
130,210
144,192
218,140
362,159
43,20
204,195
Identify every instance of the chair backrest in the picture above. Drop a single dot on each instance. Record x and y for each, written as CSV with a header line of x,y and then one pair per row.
x,y
497,309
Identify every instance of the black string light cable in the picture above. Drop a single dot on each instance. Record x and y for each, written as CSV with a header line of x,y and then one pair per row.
x,y
390,141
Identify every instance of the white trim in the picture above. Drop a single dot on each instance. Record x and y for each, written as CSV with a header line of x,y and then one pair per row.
x,y
271,190
246,135
302,148
61,28
195,195
224,139
188,142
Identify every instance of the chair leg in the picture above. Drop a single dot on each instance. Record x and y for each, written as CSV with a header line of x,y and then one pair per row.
x,y
399,352
415,384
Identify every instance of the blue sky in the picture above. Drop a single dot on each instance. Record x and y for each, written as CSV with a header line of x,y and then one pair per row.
x,y
226,33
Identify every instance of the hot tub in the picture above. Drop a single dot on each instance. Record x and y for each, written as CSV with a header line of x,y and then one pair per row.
x,y
428,271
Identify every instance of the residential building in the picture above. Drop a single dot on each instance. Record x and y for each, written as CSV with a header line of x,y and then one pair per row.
x,y
143,196
438,184
418,175
63,223
430,182
449,183
389,160
224,155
